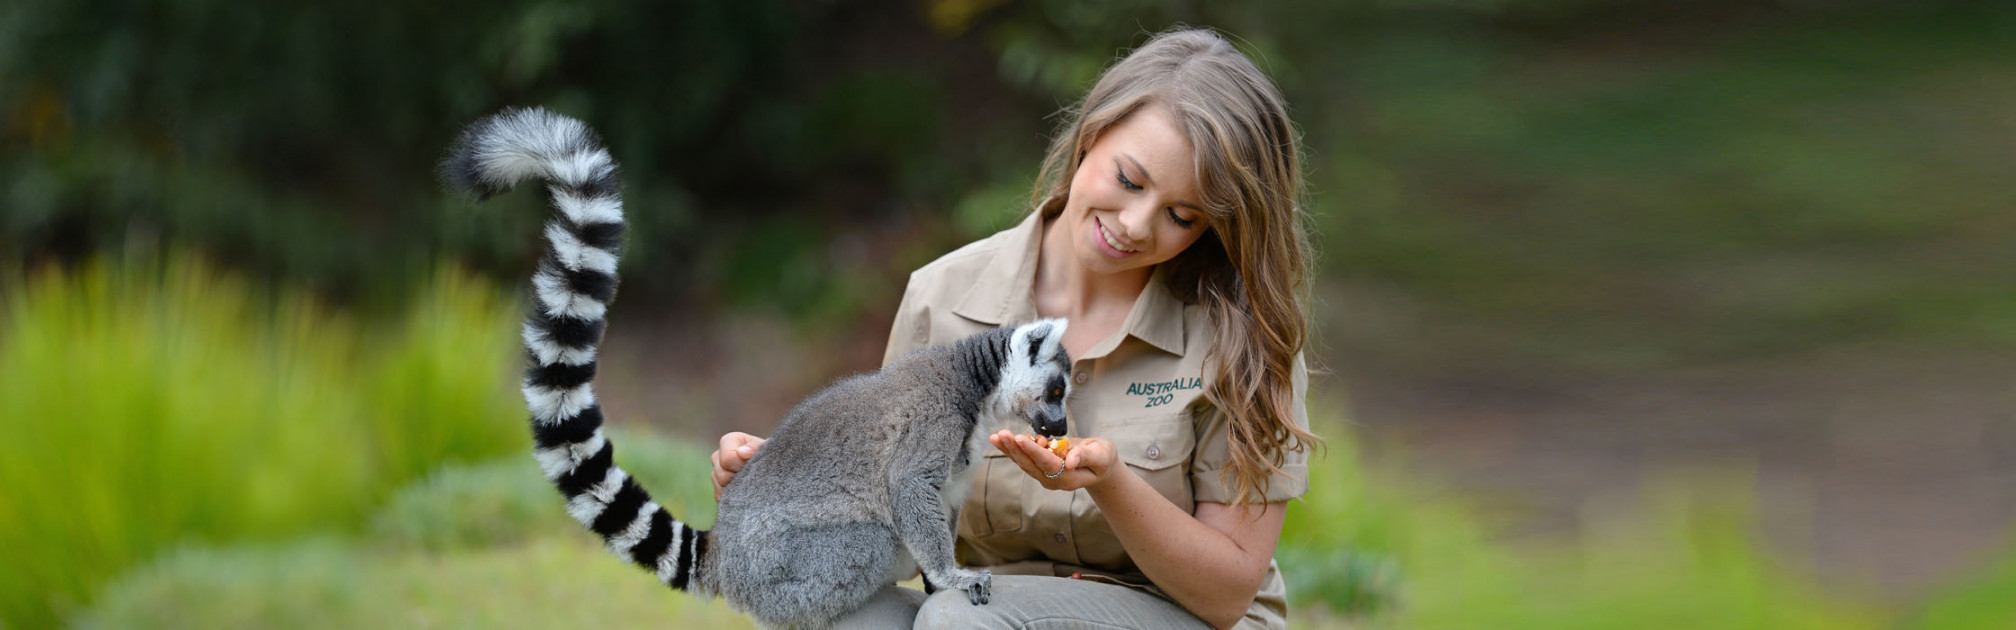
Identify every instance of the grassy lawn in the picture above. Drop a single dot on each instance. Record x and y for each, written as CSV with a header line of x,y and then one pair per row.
x,y
486,545
560,582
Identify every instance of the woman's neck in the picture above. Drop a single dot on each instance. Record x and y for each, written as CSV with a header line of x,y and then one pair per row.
x,y
1096,303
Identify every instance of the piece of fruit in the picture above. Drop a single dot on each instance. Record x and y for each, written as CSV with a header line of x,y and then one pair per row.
x,y
1058,446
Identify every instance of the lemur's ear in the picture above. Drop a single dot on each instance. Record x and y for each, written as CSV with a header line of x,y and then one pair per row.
x,y
1037,333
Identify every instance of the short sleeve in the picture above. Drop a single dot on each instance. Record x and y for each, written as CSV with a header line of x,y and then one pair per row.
x,y
911,329
1214,450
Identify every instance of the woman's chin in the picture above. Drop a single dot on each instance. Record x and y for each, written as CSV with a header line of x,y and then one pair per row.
x,y
1100,263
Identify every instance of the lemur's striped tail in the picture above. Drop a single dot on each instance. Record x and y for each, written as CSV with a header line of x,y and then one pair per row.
x,y
573,287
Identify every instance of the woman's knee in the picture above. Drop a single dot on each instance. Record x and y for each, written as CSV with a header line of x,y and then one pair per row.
x,y
1014,602
891,607
945,610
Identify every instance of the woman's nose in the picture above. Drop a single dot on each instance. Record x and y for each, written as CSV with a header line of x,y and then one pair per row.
x,y
1137,222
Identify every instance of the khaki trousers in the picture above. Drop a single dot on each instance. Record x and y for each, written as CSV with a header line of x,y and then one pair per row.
x,y
1022,602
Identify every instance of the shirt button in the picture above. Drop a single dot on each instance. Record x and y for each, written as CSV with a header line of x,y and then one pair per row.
x,y
1060,538
1154,452
1082,377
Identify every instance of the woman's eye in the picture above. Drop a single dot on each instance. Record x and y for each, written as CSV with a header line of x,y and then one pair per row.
x,y
1127,183
1179,220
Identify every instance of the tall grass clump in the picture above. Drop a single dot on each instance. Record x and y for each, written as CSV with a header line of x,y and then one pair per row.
x,y
149,405
466,546
1356,540
506,501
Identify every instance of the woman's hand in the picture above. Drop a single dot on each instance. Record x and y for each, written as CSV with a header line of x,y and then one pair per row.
x,y
736,449
1089,463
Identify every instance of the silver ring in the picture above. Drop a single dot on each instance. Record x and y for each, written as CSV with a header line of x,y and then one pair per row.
x,y
1059,473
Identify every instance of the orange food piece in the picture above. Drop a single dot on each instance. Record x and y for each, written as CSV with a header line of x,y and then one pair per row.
x,y
1058,446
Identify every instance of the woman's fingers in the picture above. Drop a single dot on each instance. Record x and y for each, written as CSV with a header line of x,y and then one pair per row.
x,y
1092,454
736,449
735,459
1013,446
1037,461
740,447
1084,465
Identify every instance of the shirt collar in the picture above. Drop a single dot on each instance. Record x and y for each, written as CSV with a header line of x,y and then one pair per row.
x,y
1000,294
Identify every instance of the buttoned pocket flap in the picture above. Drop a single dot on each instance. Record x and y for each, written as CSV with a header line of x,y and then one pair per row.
x,y
1154,443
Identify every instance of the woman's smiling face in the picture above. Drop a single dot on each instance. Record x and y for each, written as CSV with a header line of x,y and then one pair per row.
x,y
1133,200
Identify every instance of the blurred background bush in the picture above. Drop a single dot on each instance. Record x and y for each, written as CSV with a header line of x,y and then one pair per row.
x,y
1642,313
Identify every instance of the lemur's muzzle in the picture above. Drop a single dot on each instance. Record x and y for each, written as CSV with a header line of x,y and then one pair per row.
x,y
1048,424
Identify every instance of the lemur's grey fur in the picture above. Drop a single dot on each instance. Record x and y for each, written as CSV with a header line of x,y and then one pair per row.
x,y
861,477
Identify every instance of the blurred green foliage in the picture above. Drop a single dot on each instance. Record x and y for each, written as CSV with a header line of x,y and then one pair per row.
x,y
1980,601
297,141
1616,182
332,584
507,501
481,544
152,405
472,545
1388,552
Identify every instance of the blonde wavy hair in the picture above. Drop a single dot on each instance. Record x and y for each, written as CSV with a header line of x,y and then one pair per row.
x,y
1250,271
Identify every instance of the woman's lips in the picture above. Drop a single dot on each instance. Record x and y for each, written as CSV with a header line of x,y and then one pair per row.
x,y
1106,241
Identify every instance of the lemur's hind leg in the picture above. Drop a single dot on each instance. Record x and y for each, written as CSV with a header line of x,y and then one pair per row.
x,y
835,569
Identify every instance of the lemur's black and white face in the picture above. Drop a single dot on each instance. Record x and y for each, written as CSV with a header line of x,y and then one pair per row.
x,y
1036,377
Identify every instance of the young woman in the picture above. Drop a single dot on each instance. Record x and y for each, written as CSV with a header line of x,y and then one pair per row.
x,y
1166,228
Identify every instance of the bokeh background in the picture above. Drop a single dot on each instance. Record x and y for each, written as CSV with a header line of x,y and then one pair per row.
x,y
1631,313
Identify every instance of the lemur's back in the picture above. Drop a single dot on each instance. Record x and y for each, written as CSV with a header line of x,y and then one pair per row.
x,y
828,448
831,455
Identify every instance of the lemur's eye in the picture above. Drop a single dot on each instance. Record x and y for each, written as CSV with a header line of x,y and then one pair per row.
x,y
1057,392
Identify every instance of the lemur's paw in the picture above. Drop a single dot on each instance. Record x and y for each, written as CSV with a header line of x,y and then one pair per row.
x,y
977,584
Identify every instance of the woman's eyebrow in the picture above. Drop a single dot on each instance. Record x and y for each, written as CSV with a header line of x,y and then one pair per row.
x,y
1145,178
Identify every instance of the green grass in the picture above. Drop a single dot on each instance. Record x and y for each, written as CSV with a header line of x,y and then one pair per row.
x,y
545,583
152,406
1984,601
483,545
1377,550
488,544
506,501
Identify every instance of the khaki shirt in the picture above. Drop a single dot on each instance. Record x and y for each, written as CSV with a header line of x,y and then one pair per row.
x,y
1135,388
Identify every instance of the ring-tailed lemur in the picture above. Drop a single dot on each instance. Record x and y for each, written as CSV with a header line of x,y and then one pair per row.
x,y
860,478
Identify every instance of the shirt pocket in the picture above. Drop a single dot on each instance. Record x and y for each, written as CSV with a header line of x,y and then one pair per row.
x,y
995,503
1157,449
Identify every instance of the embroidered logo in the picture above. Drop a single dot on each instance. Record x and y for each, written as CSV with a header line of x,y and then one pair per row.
x,y
1163,392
